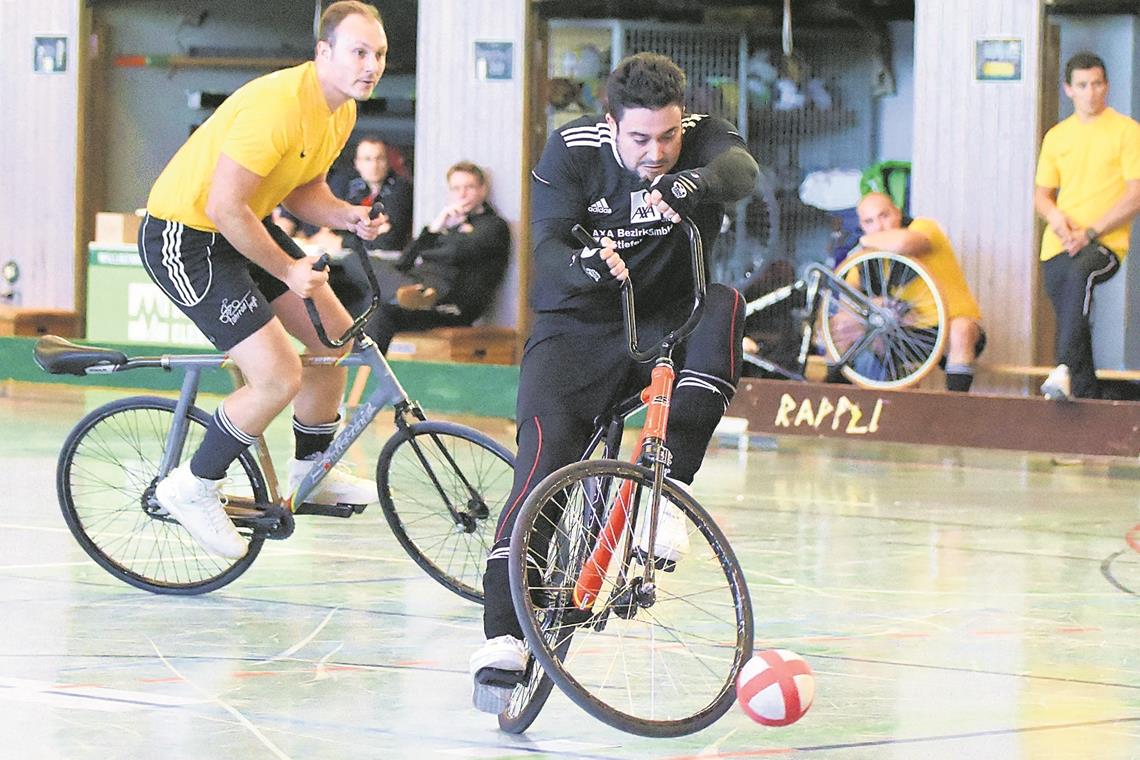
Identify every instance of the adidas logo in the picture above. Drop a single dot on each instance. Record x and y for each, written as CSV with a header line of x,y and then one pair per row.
x,y
599,207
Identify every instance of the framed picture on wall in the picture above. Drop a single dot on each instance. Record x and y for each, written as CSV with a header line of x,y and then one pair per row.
x,y
50,54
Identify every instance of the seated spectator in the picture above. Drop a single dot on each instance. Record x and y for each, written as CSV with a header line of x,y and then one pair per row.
x,y
374,179
377,180
885,229
447,276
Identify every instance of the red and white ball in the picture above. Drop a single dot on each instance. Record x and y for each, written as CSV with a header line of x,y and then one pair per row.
x,y
776,687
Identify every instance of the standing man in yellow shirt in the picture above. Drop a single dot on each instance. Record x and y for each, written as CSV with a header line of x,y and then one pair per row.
x,y
208,243
884,229
1087,190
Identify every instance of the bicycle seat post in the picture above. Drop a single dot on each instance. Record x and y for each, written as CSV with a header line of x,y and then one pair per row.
x,y
176,437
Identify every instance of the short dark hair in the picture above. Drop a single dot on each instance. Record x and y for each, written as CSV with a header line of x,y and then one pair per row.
x,y
338,12
372,139
468,168
644,80
1084,60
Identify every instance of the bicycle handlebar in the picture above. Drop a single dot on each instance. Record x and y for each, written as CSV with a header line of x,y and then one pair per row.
x,y
357,327
696,260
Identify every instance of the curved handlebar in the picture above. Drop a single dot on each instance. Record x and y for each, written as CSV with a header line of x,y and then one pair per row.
x,y
700,285
357,327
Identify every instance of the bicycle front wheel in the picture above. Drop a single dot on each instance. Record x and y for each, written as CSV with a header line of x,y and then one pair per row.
x,y
891,333
105,480
442,487
656,659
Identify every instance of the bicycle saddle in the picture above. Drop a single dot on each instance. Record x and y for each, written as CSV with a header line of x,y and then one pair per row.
x,y
57,356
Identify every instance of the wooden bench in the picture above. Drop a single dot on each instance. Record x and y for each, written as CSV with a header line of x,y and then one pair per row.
x,y
478,344
32,322
1016,370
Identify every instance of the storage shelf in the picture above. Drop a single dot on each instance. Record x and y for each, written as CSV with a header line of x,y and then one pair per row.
x,y
195,62
800,122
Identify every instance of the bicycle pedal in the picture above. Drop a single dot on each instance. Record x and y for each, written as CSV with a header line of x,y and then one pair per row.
x,y
500,679
659,563
329,510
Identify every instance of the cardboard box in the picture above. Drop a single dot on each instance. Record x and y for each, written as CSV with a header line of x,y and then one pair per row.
x,y
33,322
114,227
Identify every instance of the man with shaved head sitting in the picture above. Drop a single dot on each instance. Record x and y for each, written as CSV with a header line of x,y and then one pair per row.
x,y
885,229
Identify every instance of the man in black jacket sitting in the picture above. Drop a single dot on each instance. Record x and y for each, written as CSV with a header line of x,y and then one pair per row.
x,y
450,273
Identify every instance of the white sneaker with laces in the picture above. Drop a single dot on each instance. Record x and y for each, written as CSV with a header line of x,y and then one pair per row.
x,y
1057,386
339,485
194,502
672,533
496,668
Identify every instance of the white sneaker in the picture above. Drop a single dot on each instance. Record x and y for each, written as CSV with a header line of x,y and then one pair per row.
x,y
496,668
672,533
339,485
1057,386
194,502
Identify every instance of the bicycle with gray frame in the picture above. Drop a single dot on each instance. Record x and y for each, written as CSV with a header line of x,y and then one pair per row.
x,y
441,485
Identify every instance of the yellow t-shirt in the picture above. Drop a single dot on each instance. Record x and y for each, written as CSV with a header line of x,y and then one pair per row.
x,y
1089,162
943,266
278,126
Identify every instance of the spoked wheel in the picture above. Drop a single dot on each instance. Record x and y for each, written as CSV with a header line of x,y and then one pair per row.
x,y
652,659
891,335
442,486
105,479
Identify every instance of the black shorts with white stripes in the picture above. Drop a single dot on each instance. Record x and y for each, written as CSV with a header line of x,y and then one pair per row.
x,y
223,293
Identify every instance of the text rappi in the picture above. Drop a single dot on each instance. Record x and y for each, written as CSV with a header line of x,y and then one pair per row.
x,y
812,415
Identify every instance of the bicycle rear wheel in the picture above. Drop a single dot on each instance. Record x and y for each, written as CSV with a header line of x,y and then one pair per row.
x,y
105,479
442,486
663,664
892,334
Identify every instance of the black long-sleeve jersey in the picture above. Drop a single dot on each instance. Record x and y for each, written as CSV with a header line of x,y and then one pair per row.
x,y
580,180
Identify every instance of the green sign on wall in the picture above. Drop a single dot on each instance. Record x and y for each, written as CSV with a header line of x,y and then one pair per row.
x,y
125,306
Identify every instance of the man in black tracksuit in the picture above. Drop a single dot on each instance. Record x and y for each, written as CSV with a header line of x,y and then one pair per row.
x,y
627,178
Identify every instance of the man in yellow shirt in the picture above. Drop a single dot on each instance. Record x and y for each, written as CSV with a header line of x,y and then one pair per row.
x,y
207,242
1087,190
922,239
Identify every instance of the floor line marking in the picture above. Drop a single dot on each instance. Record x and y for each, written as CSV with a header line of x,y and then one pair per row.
x,y
223,704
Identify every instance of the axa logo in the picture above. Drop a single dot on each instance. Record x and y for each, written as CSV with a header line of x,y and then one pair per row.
x,y
640,212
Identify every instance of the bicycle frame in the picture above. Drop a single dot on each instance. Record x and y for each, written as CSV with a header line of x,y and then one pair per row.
x,y
651,450
657,396
809,285
387,392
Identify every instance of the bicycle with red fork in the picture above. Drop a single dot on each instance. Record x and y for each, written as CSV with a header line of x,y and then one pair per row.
x,y
648,643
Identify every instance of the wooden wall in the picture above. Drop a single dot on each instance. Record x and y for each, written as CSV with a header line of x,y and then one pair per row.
x,y
975,150
459,116
39,151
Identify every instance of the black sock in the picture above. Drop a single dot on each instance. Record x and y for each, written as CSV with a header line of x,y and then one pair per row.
x,y
499,617
312,440
959,377
221,445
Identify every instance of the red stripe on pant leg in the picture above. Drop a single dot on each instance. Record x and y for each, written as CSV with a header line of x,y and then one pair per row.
x,y
526,486
732,335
